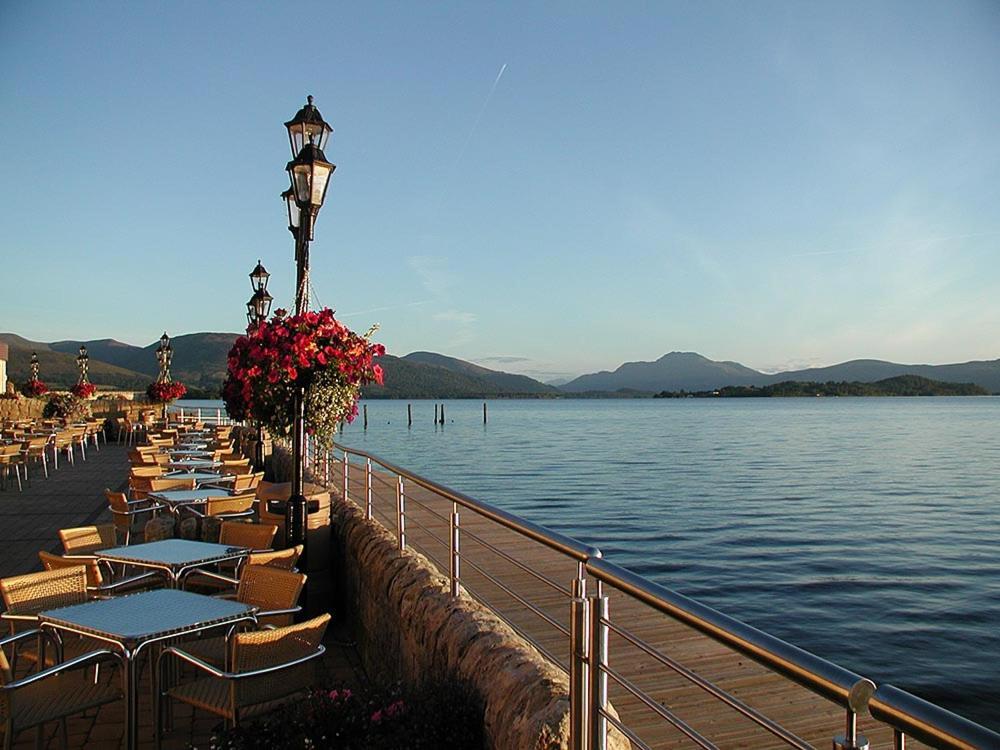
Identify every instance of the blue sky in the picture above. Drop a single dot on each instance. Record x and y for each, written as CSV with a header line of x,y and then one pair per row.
x,y
776,183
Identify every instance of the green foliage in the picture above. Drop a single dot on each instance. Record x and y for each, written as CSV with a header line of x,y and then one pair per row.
x,y
430,718
901,385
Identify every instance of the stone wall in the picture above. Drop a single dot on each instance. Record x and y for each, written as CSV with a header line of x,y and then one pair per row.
x,y
409,627
22,408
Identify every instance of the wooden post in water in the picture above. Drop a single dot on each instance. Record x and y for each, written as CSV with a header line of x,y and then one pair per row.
x,y
484,412
442,413
435,413
364,410
409,415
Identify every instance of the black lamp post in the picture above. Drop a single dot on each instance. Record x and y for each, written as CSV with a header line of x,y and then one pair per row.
x,y
81,362
259,305
309,174
164,353
258,308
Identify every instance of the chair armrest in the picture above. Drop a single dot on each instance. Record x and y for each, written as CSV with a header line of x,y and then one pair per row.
x,y
138,511
112,587
9,639
273,612
75,663
216,672
199,572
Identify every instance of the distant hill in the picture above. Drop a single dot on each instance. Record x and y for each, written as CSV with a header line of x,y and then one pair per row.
x,y
985,374
199,358
900,385
58,368
687,371
428,375
504,381
675,371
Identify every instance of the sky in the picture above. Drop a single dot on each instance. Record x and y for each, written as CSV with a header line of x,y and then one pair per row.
x,y
547,188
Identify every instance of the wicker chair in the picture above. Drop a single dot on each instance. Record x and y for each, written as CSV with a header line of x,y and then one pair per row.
x,y
254,536
51,694
286,559
97,585
35,449
130,515
235,506
269,668
10,458
25,596
237,466
84,540
141,487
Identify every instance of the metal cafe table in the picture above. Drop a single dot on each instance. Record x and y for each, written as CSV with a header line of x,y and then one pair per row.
x,y
193,464
132,623
175,557
199,476
196,453
175,499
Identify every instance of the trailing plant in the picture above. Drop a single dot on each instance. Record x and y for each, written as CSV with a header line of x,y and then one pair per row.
x,y
83,390
314,352
164,393
34,388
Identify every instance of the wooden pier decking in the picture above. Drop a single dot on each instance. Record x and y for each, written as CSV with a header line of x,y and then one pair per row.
x,y
795,708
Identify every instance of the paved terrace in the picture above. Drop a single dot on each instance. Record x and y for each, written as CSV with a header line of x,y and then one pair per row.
x,y
73,495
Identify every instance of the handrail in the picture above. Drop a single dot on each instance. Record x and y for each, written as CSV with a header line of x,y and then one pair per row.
x,y
552,539
928,723
819,675
905,713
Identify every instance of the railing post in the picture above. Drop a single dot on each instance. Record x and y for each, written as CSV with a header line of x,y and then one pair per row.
x,y
857,701
326,467
218,416
368,489
347,470
578,682
455,559
598,677
199,414
400,513
898,740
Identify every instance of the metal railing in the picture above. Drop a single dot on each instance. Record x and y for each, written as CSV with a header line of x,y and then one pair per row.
x,y
411,506
206,416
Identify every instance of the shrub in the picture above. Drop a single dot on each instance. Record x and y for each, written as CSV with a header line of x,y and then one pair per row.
x,y
66,406
434,716
34,388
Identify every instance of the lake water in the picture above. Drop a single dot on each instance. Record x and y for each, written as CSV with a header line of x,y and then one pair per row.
x,y
863,530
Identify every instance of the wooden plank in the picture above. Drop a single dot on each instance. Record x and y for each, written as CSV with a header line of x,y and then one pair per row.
x,y
484,544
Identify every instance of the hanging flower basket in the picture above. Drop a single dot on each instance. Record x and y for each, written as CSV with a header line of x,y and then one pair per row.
x,y
34,388
164,393
83,390
313,351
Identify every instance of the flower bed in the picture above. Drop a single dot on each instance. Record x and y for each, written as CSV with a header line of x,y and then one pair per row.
x,y
433,717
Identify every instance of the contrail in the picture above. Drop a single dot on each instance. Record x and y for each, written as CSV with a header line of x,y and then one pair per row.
x,y
482,111
386,307
921,242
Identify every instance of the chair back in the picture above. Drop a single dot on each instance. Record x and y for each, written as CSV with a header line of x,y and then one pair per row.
x,y
118,505
270,588
152,470
245,482
235,467
260,649
254,536
32,593
221,506
57,562
83,540
159,484
286,559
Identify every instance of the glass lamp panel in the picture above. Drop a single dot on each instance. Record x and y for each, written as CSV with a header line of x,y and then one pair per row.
x,y
294,215
320,179
301,180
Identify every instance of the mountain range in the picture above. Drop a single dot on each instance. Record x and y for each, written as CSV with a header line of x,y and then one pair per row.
x,y
199,361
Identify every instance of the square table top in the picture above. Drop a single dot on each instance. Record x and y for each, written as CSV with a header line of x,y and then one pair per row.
x,y
196,463
147,615
174,553
176,497
199,476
